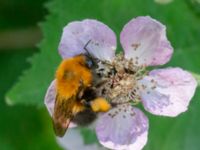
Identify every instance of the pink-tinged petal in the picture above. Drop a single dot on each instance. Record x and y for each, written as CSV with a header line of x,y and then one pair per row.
x,y
49,100
123,128
50,97
167,92
144,41
73,140
102,40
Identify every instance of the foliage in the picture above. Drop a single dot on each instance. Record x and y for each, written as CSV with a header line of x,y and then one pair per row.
x,y
21,128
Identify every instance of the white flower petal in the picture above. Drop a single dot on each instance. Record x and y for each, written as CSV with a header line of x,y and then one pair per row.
x,y
123,128
144,40
167,92
77,34
50,97
73,140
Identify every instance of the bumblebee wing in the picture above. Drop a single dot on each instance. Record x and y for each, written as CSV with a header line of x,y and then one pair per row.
x,y
50,101
61,127
62,115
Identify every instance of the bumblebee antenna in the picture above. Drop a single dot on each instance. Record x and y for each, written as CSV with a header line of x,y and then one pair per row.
x,y
88,53
85,47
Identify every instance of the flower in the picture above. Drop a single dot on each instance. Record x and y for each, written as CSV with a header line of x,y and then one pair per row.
x,y
164,92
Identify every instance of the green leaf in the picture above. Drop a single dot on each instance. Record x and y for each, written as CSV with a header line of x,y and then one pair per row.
x,y
21,128
197,77
89,135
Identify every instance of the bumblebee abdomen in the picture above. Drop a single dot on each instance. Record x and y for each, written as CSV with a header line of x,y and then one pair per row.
x,y
84,117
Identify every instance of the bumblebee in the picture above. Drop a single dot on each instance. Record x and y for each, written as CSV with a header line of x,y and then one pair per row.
x,y
76,100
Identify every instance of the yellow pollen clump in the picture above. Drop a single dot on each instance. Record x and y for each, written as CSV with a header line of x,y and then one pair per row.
x,y
100,105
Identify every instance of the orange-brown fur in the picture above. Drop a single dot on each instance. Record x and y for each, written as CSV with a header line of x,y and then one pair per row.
x,y
72,77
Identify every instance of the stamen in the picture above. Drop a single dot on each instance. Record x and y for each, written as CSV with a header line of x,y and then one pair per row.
x,y
135,46
121,78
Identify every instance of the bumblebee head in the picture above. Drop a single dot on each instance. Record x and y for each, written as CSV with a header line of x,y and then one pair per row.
x,y
91,62
85,61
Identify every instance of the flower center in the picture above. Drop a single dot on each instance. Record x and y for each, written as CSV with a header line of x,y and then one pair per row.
x,y
119,80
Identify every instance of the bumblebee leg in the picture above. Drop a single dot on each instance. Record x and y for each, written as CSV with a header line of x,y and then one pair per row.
x,y
85,103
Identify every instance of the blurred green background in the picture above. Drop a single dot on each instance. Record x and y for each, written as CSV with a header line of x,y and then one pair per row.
x,y
27,69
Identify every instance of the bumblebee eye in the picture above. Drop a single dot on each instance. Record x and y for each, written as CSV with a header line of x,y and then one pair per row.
x,y
89,63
